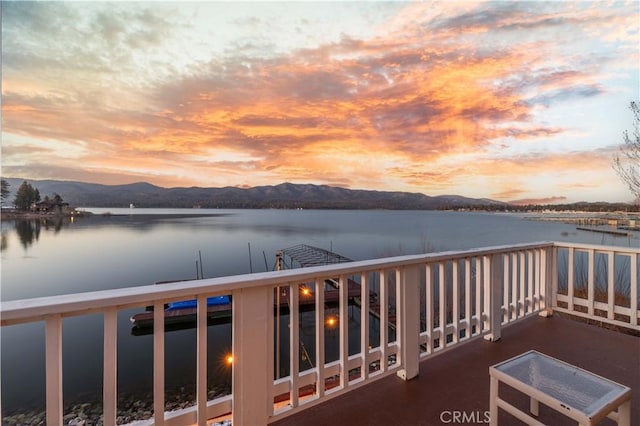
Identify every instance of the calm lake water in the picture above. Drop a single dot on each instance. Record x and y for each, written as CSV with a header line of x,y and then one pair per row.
x,y
134,247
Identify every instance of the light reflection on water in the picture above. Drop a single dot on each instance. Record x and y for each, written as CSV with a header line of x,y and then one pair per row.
x,y
143,246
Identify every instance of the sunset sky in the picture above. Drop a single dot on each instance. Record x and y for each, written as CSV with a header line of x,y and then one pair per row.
x,y
515,101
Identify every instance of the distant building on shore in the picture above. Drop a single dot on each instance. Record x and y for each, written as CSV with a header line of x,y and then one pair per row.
x,y
52,207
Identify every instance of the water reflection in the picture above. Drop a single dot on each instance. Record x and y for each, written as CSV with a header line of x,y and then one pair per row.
x,y
28,232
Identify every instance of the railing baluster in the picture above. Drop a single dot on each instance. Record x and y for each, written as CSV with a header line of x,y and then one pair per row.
x,y
201,362
538,293
384,318
506,301
570,277
514,285
591,282
530,291
467,296
523,299
633,303
479,289
429,306
398,308
455,302
486,293
320,337
110,350
294,341
158,363
53,345
611,285
552,276
278,318
442,292
364,326
344,332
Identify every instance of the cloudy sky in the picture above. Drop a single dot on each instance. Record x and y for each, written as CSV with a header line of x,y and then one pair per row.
x,y
508,100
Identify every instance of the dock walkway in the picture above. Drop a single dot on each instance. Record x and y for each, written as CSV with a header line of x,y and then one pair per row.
x,y
605,231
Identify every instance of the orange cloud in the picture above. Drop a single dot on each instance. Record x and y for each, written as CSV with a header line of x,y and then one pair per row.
x,y
539,201
424,105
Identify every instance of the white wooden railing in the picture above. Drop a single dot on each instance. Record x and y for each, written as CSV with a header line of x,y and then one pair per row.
x,y
426,304
599,283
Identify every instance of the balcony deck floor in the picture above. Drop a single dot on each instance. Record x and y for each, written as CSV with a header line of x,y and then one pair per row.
x,y
458,380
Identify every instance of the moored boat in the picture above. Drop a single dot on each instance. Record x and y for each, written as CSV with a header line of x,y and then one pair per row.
x,y
183,314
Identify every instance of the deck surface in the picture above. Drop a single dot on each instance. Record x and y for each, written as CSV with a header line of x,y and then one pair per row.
x,y
458,380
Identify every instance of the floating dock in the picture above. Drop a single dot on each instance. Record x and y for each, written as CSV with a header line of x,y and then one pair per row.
x,y
606,231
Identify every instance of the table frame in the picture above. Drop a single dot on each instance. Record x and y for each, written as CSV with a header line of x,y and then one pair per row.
x,y
622,402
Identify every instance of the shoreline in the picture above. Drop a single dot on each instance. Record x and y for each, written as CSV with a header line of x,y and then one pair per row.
x,y
620,221
131,408
13,215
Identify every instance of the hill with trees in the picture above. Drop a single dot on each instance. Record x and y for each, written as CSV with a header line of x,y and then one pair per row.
x,y
285,196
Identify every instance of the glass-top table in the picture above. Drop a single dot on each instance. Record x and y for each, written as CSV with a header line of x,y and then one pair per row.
x,y
577,393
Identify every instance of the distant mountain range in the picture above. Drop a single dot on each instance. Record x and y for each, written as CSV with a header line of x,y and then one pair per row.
x,y
285,196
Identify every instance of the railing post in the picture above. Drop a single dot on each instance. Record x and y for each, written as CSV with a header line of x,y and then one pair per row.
x,y
549,274
158,363
409,322
110,385
294,342
320,337
252,355
493,295
201,361
53,342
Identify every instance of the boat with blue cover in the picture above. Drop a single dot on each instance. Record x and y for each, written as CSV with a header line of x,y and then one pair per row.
x,y
193,304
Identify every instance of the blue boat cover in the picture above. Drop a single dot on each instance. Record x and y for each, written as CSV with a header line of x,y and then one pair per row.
x,y
211,301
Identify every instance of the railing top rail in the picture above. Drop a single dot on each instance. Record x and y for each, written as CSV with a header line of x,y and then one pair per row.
x,y
616,249
27,310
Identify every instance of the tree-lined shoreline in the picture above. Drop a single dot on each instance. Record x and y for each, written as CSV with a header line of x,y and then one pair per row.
x,y
285,196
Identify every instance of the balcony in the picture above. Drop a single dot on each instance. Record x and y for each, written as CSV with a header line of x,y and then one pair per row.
x,y
457,384
428,327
